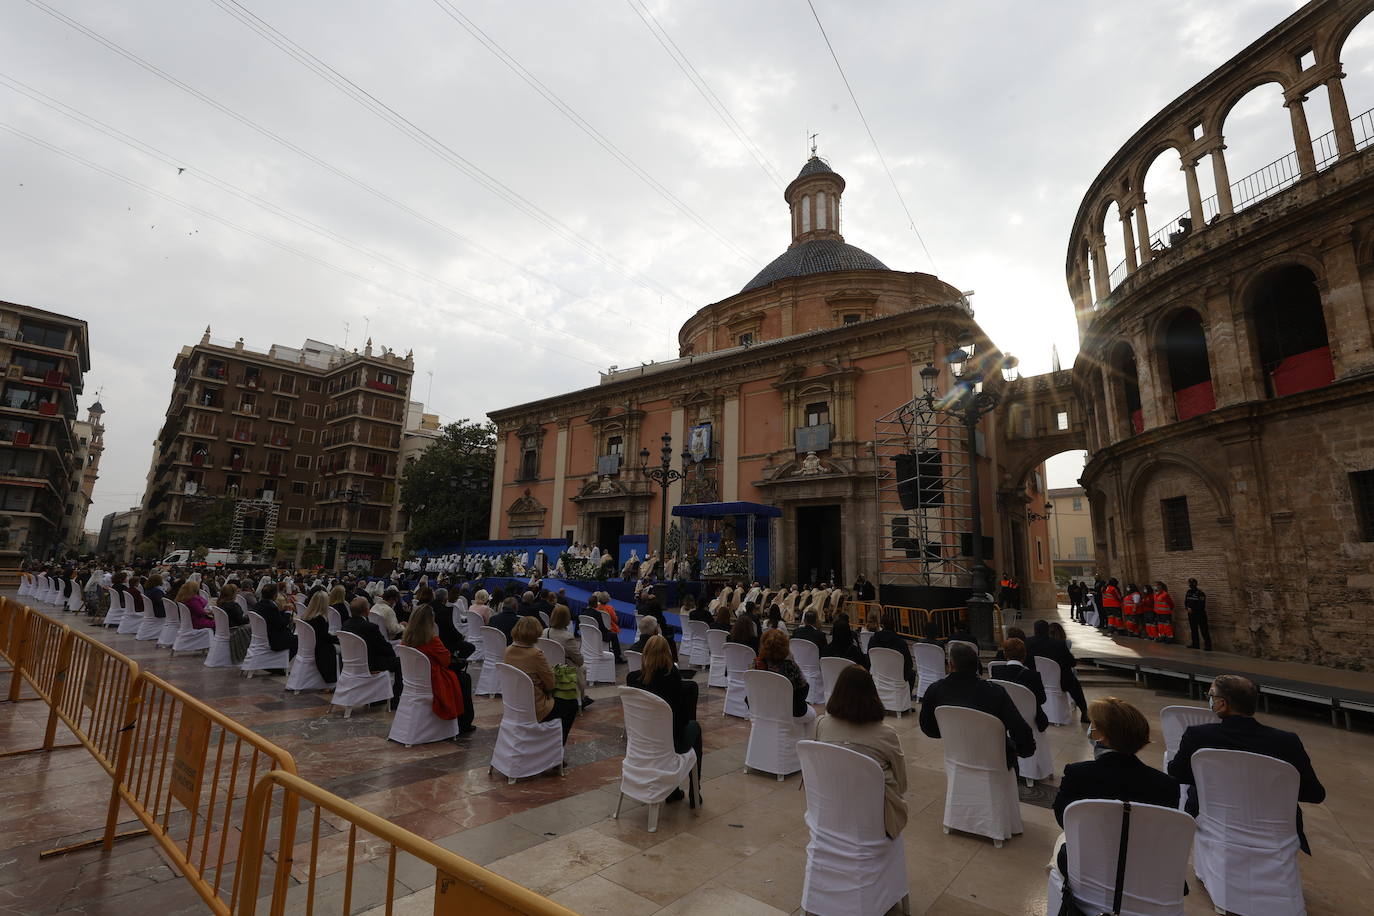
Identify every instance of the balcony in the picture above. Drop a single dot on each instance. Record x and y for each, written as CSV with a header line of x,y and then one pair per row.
x,y
243,435
210,373
813,438
202,430
277,441
246,410
376,385
283,416
251,382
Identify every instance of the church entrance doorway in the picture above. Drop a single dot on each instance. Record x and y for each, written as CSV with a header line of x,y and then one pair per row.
x,y
609,528
818,545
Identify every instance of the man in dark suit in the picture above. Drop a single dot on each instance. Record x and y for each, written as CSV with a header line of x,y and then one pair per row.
x,y
1057,650
888,638
280,634
380,654
963,687
1014,669
540,605
155,594
863,589
809,630
506,618
1233,698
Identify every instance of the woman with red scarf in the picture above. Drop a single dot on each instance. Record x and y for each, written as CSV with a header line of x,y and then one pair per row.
x,y
422,633
1164,613
1111,603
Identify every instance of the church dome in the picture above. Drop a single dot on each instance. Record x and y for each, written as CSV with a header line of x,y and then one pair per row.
x,y
816,256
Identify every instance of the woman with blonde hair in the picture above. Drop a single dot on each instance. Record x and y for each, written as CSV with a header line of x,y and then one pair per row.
x,y
422,634
317,616
522,653
658,675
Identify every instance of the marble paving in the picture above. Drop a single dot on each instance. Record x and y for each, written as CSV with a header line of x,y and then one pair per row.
x,y
743,852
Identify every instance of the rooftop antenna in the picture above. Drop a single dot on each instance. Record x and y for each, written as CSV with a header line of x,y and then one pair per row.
x,y
367,325
345,346
430,390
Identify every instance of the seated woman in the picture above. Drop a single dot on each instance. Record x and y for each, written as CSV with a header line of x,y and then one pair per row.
x,y
775,654
843,643
744,632
338,600
481,605
560,631
189,597
1057,632
873,622
317,616
854,719
722,619
522,653
659,676
648,628
774,621
451,701
1117,773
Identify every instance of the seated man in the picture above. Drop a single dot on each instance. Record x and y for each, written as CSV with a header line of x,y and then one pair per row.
x,y
887,637
1014,669
386,609
1057,650
280,631
1233,698
963,687
380,655
506,618
810,631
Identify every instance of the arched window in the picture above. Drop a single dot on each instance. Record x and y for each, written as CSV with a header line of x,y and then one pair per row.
x,y
1126,377
820,210
1290,331
1190,374
806,213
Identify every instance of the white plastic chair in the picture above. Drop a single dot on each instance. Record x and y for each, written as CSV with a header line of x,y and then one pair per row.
x,y
633,661
1039,765
524,745
494,644
930,665
1056,702
357,686
700,652
335,620
852,867
553,651
980,792
190,639
1175,720
116,612
260,656
1245,851
738,659
1156,859
715,644
151,627
773,730
889,678
171,624
651,769
599,662
415,722
220,655
807,655
305,674
831,666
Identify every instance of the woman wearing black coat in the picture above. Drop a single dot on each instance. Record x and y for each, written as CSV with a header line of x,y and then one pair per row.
x,y
659,676
325,658
843,644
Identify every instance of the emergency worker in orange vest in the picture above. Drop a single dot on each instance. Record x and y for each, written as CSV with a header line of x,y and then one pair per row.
x,y
1111,604
1130,609
1164,613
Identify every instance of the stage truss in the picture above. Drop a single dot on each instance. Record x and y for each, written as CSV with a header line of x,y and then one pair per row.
x,y
922,452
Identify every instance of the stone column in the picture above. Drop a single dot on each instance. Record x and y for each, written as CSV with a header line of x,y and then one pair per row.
x,y
1099,252
1302,136
1340,116
1153,410
1194,195
1223,181
560,478
1128,241
1345,309
497,479
730,452
677,427
1143,231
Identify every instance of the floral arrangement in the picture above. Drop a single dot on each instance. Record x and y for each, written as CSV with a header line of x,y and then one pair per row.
x,y
727,566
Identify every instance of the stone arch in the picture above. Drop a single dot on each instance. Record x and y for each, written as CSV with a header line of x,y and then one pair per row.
x,y
1123,388
1140,477
1285,307
1165,202
1333,47
1184,360
1215,119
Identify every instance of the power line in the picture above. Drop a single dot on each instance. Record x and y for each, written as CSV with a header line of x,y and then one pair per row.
x,y
268,240
874,140
579,122
665,41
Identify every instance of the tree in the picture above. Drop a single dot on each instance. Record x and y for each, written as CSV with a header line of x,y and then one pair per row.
x,y
447,490
214,528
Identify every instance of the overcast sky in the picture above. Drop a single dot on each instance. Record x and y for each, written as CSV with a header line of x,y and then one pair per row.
x,y
993,118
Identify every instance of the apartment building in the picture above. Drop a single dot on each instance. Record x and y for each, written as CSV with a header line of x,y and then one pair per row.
x,y
46,357
1071,535
306,441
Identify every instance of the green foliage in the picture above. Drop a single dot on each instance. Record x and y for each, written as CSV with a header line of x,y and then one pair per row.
x,y
312,555
214,527
447,490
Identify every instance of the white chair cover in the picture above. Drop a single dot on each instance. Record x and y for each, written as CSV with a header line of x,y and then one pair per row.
x,y
116,612
633,660
260,656
75,600
189,639
651,769
1156,859
357,686
1039,765
553,651
242,600
700,652
25,583
335,620
599,662
415,722
686,643
473,629
1056,701
305,674
151,627
219,656
524,745
930,665
738,659
1246,848
1174,721
851,865
773,730
888,677
980,793
830,671
171,624
715,644
807,655
494,646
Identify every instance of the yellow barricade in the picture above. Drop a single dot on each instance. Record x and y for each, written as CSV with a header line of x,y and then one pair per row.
x,y
861,611
908,621
12,615
37,655
187,777
949,619
460,887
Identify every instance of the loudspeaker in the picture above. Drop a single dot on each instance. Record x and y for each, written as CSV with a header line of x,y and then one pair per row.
x,y
966,546
920,479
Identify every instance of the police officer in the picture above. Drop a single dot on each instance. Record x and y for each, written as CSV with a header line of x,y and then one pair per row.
x,y
1196,602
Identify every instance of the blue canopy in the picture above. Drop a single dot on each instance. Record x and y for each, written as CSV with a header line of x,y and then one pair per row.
x,y
720,510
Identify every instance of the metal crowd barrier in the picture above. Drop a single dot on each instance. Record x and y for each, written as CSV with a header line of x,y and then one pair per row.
x,y
460,886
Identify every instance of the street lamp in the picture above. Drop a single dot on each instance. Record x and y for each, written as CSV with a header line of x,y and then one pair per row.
x,y
352,496
970,403
664,476
460,484
1038,517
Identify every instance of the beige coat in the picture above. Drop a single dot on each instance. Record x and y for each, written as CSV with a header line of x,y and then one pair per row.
x,y
880,742
532,661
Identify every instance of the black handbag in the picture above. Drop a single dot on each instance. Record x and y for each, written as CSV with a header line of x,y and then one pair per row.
x,y
1069,907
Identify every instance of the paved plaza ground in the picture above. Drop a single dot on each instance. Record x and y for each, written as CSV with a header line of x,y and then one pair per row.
x,y
743,853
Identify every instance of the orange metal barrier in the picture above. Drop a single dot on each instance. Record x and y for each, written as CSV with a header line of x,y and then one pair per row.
x,y
908,621
949,619
36,640
188,775
460,887
861,610
12,615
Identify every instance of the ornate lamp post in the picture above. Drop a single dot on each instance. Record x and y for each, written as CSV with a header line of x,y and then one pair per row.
x,y
664,476
352,496
970,403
